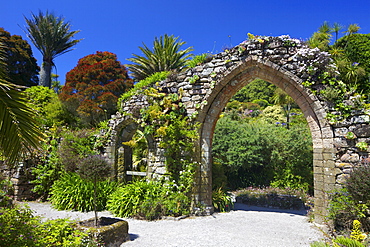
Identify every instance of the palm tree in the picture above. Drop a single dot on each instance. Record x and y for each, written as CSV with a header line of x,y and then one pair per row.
x,y
352,28
19,130
52,37
165,56
336,29
281,98
321,38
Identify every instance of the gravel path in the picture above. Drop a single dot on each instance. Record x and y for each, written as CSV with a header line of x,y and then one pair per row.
x,y
245,226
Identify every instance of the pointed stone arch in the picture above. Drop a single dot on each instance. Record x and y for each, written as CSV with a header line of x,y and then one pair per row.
x,y
321,131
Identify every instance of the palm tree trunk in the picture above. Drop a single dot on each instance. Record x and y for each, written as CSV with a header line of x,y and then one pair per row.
x,y
45,74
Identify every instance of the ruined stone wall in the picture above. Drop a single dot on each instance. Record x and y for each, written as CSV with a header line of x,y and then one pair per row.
x,y
285,62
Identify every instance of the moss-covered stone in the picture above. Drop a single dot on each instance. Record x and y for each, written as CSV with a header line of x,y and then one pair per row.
x,y
111,231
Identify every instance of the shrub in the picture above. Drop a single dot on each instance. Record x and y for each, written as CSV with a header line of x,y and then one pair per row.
x,y
343,209
222,201
126,201
352,201
72,192
148,200
358,184
20,228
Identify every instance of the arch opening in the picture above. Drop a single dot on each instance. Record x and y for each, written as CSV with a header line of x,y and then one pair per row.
x,y
320,129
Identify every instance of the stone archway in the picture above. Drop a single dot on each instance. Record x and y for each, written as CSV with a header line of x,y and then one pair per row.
x,y
205,90
321,131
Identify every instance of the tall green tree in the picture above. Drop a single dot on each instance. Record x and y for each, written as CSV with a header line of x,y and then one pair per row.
x,y
52,37
19,130
165,56
22,67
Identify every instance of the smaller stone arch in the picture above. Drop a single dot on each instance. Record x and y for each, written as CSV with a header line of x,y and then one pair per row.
x,y
122,130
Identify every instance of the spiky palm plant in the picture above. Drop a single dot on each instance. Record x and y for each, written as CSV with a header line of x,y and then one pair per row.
x,y
19,130
165,56
52,37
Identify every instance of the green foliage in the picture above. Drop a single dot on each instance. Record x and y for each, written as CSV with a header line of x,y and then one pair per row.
x,y
165,56
194,79
358,184
48,169
48,106
5,189
148,200
20,228
256,90
156,77
19,131
356,49
273,114
356,239
61,232
75,146
197,60
343,209
221,200
260,154
22,66
362,146
71,192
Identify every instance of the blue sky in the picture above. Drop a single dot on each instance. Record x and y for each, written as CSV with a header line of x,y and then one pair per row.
x,y
120,26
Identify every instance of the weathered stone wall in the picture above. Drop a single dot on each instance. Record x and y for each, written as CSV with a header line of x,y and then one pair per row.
x,y
285,62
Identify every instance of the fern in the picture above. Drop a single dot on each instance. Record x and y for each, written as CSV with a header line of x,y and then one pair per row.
x,y
347,242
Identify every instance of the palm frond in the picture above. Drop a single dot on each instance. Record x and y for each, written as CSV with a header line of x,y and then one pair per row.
x,y
19,130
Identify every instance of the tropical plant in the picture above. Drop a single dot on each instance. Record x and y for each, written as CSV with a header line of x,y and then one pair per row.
x,y
19,131
197,60
52,37
71,192
165,56
93,87
22,68
148,200
221,200
281,98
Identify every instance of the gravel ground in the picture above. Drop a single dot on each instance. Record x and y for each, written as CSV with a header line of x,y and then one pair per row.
x,y
244,226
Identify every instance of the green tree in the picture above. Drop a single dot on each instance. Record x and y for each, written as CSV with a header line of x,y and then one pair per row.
x,y
52,37
283,99
19,130
321,38
336,29
354,61
257,153
256,90
49,109
93,87
22,68
165,56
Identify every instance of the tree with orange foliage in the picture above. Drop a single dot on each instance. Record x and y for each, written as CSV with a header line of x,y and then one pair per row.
x,y
92,88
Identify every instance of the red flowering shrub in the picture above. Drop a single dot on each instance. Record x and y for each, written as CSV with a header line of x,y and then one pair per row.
x,y
93,87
